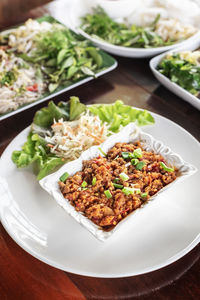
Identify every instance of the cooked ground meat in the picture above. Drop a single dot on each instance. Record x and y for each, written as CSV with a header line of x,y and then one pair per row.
x,y
109,188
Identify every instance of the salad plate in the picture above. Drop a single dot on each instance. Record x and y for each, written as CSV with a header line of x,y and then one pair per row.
x,y
172,86
164,231
80,8
102,64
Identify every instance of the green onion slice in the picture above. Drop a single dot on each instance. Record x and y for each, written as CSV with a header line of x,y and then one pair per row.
x,y
116,180
118,186
164,167
102,151
125,155
84,184
94,180
108,194
64,176
137,153
130,191
134,161
124,176
140,165
143,195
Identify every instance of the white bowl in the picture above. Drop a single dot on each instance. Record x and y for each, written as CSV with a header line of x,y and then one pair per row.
x,y
173,87
81,8
130,133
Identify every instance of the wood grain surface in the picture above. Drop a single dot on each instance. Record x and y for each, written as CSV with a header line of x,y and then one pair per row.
x,y
24,277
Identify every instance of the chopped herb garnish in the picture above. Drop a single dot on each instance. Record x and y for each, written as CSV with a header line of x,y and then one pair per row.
x,y
130,191
116,180
134,161
84,184
118,186
108,194
125,155
102,151
94,180
143,195
137,153
165,168
140,165
64,177
124,176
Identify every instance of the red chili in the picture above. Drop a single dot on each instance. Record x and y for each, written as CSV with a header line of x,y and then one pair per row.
x,y
32,88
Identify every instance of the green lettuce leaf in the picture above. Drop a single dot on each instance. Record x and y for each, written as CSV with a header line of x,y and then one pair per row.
x,y
119,114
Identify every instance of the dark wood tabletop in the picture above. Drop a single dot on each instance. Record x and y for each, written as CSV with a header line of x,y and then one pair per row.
x,y
24,277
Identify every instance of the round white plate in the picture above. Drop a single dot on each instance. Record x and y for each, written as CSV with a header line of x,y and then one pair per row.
x,y
165,230
81,8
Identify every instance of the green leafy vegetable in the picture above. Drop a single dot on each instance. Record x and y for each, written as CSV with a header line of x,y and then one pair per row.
x,y
182,72
119,114
99,25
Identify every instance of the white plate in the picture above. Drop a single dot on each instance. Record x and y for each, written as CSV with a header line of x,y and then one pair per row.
x,y
80,8
165,230
175,88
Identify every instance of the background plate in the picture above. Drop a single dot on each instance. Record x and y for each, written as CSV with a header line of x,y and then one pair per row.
x,y
109,63
165,230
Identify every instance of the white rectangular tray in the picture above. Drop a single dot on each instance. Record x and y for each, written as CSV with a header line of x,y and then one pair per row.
x,y
130,133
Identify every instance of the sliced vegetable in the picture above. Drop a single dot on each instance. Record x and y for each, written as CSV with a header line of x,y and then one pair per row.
x,y
94,180
134,161
124,176
165,168
104,154
108,194
144,195
140,165
118,186
137,153
84,184
130,191
64,176
125,155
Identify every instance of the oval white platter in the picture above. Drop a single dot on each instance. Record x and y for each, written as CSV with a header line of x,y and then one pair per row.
x,y
173,87
80,8
165,230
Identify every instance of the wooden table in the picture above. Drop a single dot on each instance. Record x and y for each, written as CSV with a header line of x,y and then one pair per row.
x,y
24,277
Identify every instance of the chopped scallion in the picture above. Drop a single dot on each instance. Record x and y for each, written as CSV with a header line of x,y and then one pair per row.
x,y
102,151
164,167
116,180
108,194
130,191
64,176
143,195
94,180
124,176
134,161
84,184
137,153
125,155
118,186
140,165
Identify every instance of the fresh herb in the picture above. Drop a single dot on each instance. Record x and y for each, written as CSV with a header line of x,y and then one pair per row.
x,y
84,184
165,168
124,176
118,186
140,165
181,72
134,161
130,191
144,195
7,78
94,180
99,25
108,194
64,177
137,153
125,155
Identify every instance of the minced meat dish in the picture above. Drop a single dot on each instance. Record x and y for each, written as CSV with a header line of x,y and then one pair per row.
x,y
111,187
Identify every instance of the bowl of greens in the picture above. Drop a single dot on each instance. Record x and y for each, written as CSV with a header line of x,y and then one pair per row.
x,y
179,71
121,37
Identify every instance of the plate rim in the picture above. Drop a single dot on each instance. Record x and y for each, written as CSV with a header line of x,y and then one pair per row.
x,y
52,263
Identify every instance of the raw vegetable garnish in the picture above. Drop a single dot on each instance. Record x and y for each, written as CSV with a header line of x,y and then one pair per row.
x,y
60,133
184,69
40,57
161,32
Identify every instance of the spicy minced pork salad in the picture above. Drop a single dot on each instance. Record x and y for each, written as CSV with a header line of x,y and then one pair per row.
x,y
41,56
110,187
162,32
183,68
60,133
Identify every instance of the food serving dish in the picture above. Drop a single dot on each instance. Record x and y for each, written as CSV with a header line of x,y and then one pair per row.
x,y
42,87
175,88
34,220
128,134
80,8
